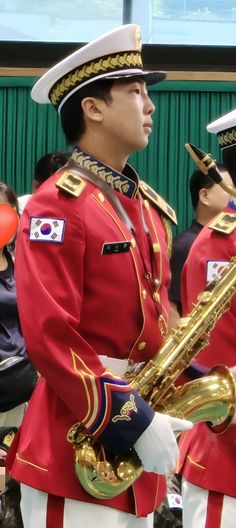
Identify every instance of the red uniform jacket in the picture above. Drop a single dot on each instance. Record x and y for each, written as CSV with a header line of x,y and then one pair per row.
x,y
208,459
87,286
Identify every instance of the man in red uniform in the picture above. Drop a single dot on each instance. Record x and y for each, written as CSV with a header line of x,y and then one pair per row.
x,y
92,275
208,199
207,459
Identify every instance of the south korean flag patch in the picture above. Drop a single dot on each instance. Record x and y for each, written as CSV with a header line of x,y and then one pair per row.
x,y
214,269
47,229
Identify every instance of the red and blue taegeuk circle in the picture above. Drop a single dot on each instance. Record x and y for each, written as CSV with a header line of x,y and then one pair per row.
x,y
46,228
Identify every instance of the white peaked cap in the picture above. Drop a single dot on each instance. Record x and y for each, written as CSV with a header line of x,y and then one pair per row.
x,y
113,55
225,128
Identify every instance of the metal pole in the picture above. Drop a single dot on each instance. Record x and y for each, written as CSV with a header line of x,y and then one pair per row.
x,y
127,11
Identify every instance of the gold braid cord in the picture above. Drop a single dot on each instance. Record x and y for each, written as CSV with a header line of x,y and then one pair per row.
x,y
169,236
227,138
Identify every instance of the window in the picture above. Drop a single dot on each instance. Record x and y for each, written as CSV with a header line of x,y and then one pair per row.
x,y
188,22
203,22
58,20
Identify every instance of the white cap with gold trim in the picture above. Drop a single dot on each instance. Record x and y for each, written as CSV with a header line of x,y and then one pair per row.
x,y
225,128
115,54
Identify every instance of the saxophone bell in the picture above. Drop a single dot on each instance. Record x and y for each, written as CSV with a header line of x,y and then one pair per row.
x,y
209,399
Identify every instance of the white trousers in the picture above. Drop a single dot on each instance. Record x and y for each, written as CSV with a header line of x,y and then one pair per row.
x,y
35,506
207,509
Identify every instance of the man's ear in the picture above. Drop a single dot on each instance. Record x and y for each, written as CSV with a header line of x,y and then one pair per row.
x,y
35,185
203,196
92,108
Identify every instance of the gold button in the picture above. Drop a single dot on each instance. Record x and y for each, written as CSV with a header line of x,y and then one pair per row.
x,y
146,204
156,297
141,345
133,243
144,294
101,197
156,247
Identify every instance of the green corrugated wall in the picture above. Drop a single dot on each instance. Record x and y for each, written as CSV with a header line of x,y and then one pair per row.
x,y
183,109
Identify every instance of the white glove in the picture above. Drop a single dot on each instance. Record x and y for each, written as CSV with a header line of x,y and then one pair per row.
x,y
233,371
157,446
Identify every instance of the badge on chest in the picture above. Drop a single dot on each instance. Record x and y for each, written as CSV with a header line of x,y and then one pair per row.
x,y
116,247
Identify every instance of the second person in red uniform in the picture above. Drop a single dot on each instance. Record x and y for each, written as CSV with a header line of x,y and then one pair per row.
x,y
207,459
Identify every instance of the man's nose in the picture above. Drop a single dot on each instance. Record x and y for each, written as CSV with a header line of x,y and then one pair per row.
x,y
150,107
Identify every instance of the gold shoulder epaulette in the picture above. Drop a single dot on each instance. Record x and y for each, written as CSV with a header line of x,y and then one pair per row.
x,y
161,204
71,183
224,223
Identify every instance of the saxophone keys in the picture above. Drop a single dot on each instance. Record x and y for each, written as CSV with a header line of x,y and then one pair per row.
x,y
105,472
204,297
183,322
126,470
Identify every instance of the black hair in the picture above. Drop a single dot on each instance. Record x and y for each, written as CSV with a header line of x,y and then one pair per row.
x,y
49,164
10,196
200,181
72,115
229,159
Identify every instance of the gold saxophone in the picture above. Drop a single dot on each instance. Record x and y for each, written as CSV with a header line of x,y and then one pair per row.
x,y
211,398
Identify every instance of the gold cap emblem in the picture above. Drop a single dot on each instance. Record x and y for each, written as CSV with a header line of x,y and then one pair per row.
x,y
137,39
